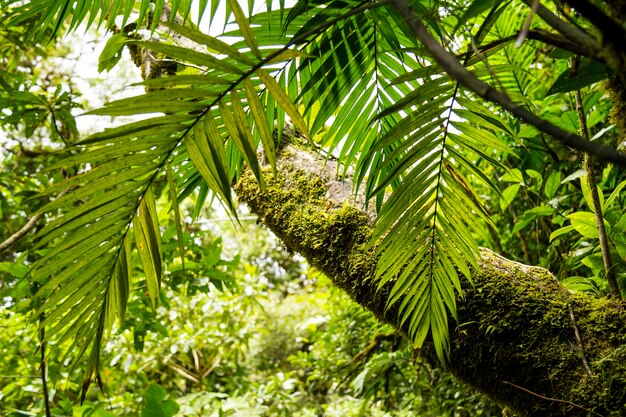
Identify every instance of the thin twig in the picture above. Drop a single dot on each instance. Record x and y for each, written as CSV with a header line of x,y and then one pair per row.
x,y
25,229
544,36
572,33
552,399
365,355
20,233
43,364
579,340
560,41
529,19
458,72
480,56
595,197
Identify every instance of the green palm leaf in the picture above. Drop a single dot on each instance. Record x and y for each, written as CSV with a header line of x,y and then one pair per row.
x,y
109,209
346,76
85,273
397,117
53,14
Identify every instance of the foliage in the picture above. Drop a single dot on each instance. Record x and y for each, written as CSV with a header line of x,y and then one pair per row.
x,y
278,342
446,170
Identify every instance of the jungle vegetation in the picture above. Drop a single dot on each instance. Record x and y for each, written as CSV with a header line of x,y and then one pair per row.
x,y
454,167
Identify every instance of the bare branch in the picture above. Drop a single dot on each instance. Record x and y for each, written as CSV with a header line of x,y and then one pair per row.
x,y
570,32
25,229
579,340
612,32
551,399
20,233
454,68
562,42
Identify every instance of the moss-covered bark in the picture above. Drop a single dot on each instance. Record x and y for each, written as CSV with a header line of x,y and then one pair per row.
x,y
516,339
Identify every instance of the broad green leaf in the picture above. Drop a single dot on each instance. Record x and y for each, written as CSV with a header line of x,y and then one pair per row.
x,y
156,404
508,195
574,176
552,184
513,175
569,121
620,226
589,72
613,195
15,269
595,263
620,246
112,52
584,185
585,223
582,284
560,232
532,215
559,53
537,179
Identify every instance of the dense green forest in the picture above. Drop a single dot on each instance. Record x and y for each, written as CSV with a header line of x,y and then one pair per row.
x,y
315,208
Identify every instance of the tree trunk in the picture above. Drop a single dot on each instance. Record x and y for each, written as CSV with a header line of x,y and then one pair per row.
x,y
522,338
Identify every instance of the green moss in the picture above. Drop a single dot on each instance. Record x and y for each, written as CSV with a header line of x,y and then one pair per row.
x,y
515,324
616,59
521,321
616,90
295,208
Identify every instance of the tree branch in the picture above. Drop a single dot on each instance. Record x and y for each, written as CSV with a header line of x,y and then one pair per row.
x,y
562,42
514,322
551,399
454,68
31,223
20,233
579,340
572,33
612,32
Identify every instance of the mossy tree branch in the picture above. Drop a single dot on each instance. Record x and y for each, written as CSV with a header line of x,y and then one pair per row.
x,y
514,326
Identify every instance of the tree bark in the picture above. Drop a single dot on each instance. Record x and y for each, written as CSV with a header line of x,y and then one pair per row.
x,y
522,338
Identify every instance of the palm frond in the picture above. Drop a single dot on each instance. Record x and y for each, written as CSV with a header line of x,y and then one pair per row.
x,y
85,273
210,122
53,14
343,77
403,120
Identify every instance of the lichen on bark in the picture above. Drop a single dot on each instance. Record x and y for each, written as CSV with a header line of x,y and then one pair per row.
x,y
515,340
